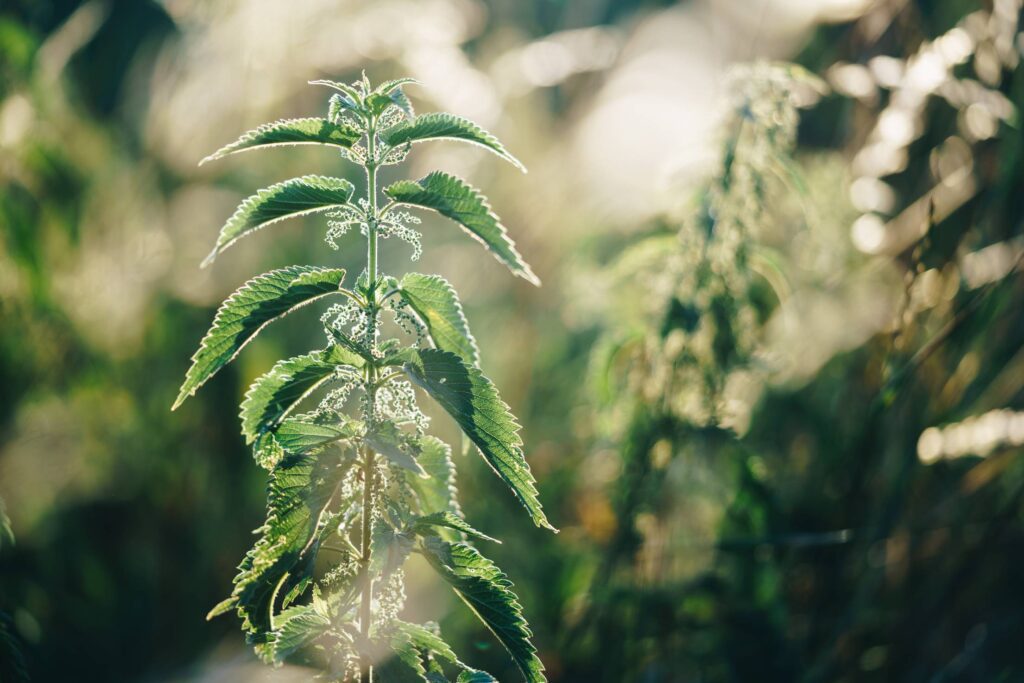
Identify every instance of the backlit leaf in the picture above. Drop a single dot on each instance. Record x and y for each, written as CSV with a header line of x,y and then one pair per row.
x,y
454,198
473,401
241,317
292,198
441,126
308,131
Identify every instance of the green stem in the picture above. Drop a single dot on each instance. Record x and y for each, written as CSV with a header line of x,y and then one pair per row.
x,y
366,669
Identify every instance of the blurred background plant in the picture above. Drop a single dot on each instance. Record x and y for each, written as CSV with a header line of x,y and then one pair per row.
x,y
772,386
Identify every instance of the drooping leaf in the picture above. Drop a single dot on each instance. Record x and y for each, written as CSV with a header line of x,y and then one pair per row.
x,y
424,639
356,347
304,433
292,198
294,629
273,395
454,198
473,401
389,548
437,492
387,86
343,88
300,488
434,300
394,444
441,126
241,317
401,101
488,592
426,525
308,131
399,661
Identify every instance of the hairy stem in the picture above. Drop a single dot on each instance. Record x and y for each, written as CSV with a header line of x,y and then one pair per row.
x,y
366,668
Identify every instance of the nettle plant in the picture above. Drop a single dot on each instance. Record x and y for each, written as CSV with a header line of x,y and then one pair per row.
x,y
356,483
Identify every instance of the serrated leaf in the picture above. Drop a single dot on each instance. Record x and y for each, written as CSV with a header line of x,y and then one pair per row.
x,y
304,433
487,591
424,639
306,131
257,303
435,302
301,434
476,676
473,401
437,492
295,628
351,344
343,88
273,395
397,446
442,126
405,665
296,591
389,548
455,199
377,103
425,525
387,86
401,101
300,488
289,199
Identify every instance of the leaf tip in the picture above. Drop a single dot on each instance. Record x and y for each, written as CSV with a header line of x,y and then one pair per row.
x,y
220,608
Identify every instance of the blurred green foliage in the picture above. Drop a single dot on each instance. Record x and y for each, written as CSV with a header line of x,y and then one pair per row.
x,y
785,510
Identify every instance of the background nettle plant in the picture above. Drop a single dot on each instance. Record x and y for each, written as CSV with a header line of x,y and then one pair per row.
x,y
372,487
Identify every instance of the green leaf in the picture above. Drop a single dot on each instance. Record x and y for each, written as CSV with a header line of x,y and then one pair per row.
x,y
241,317
343,88
304,433
295,628
273,395
387,86
296,197
308,131
487,591
454,198
389,548
377,103
469,397
424,639
437,493
300,488
441,126
394,444
424,525
476,676
404,666
399,98
438,306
